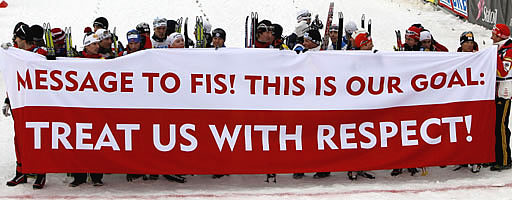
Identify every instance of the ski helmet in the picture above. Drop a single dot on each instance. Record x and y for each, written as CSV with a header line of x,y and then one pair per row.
x,y
218,32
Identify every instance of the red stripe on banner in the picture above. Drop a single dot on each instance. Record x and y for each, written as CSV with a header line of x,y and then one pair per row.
x,y
427,135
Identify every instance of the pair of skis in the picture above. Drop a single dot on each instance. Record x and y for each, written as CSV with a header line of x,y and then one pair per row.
x,y
369,24
199,30
325,41
68,42
399,46
49,39
250,37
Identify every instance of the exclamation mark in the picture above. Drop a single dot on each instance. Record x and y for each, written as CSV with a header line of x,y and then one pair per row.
x,y
232,83
468,127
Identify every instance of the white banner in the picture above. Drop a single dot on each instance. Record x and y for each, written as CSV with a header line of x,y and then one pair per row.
x,y
250,79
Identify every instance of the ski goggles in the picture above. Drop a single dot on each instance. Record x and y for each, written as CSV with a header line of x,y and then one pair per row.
x,y
264,28
133,37
99,24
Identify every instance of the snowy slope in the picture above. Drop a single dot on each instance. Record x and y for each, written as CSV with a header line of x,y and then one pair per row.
x,y
387,15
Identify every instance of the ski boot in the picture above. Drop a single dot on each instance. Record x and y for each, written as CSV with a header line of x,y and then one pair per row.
x,y
18,179
321,175
298,175
352,175
413,171
396,172
175,178
40,181
475,168
271,176
365,175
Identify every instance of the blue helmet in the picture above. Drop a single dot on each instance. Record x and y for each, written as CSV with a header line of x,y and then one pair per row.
x,y
133,36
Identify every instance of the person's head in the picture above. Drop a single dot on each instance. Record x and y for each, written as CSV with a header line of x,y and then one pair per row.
x,y
160,27
105,38
304,15
277,31
100,23
426,39
23,37
312,39
264,31
133,38
37,35
500,32
177,40
219,37
143,29
412,36
467,41
363,40
91,44
171,27
59,42
333,32
350,28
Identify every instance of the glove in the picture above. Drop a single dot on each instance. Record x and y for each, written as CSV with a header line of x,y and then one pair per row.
x,y
6,45
6,109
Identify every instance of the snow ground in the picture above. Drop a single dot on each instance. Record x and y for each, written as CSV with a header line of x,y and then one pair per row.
x,y
386,15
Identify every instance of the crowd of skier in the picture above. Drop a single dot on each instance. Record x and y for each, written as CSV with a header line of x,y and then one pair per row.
x,y
100,43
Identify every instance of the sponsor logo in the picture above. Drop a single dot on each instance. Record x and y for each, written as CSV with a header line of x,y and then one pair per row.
x,y
490,16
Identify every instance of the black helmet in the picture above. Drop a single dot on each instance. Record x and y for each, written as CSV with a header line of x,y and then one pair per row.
x,y
218,32
37,32
143,27
23,32
101,22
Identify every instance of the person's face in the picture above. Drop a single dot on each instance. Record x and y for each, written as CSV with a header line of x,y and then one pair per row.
x,y
367,46
179,43
160,31
495,38
93,48
426,44
467,46
134,46
106,43
309,44
22,44
218,42
333,35
410,41
265,37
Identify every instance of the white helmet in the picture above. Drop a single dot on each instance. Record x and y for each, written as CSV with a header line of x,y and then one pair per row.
x,y
303,15
350,28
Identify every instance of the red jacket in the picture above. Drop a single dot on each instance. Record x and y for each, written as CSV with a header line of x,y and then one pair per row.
x,y
38,50
83,54
504,60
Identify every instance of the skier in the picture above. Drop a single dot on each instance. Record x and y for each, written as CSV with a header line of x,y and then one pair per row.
x,y
177,40
277,38
105,38
333,35
145,35
91,50
412,39
312,40
38,34
58,38
436,44
24,39
159,39
500,36
426,41
363,41
467,42
134,43
218,38
264,36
